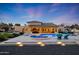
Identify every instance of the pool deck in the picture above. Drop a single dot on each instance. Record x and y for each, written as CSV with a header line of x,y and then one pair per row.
x,y
27,40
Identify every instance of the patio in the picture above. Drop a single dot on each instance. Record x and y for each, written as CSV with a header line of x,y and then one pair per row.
x,y
27,40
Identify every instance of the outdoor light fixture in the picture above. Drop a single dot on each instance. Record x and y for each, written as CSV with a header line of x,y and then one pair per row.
x,y
42,44
19,44
59,43
63,44
39,42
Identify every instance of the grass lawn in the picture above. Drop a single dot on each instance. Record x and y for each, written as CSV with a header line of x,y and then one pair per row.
x,y
5,36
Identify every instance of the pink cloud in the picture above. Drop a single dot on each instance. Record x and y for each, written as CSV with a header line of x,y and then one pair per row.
x,y
30,11
65,19
35,12
69,17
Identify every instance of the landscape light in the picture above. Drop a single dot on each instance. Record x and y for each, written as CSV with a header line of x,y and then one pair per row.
x,y
59,42
39,42
19,44
42,44
63,44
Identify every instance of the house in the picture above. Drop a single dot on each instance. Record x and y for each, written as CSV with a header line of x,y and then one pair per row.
x,y
40,27
18,28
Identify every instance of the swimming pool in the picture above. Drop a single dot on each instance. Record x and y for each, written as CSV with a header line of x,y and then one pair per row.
x,y
44,35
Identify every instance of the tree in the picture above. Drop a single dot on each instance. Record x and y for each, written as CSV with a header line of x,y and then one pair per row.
x,y
17,24
74,26
4,26
10,24
11,28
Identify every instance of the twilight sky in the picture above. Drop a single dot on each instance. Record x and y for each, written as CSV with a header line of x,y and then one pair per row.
x,y
46,12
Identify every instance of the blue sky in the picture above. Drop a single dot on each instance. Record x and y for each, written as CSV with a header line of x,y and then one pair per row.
x,y
46,12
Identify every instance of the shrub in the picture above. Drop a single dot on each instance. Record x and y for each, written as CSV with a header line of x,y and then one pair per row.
x,y
8,35
3,37
21,33
15,35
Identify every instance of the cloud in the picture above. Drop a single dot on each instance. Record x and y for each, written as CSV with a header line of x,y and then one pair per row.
x,y
18,8
67,19
53,7
6,18
55,4
30,18
74,10
36,11
53,10
56,13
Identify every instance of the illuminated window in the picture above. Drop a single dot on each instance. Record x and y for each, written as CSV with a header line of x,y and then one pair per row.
x,y
48,29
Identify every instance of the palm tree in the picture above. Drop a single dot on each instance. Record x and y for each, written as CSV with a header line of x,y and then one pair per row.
x,y
10,27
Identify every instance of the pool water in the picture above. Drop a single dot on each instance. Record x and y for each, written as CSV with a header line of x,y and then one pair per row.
x,y
44,35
